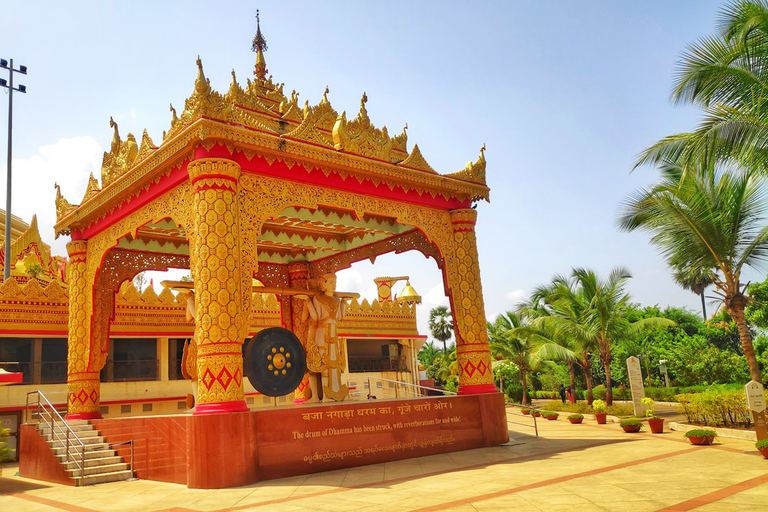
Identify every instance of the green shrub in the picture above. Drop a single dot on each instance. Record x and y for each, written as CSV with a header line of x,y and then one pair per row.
x,y
5,452
718,406
549,414
515,393
763,443
599,407
576,416
701,432
631,422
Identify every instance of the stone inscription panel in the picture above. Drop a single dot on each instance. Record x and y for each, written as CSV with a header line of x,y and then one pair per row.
x,y
311,439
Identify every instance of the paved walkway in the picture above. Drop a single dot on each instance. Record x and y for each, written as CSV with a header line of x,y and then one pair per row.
x,y
570,467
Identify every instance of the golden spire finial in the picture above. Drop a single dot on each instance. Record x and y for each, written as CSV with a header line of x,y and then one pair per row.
x,y
363,115
115,136
259,46
201,84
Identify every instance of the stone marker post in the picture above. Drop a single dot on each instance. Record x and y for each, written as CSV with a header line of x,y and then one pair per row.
x,y
635,376
756,404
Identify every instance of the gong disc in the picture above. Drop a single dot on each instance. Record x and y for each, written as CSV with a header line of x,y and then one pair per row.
x,y
275,361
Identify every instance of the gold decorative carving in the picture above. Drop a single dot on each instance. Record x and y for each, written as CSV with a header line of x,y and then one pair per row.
x,y
474,172
92,189
417,161
466,292
360,137
220,325
146,148
63,207
121,156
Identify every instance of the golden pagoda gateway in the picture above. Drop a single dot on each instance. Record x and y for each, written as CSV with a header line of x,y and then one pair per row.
x,y
250,184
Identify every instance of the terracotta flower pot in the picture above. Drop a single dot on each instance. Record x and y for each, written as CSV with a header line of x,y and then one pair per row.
x,y
600,417
701,440
764,451
631,428
575,420
536,413
550,418
526,411
656,424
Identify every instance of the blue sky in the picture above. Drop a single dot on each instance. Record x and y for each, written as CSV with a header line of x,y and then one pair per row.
x,y
564,95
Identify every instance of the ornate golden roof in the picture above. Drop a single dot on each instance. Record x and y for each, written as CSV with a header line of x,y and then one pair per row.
x,y
258,117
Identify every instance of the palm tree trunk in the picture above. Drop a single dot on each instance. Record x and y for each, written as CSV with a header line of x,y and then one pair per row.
x,y
737,312
586,367
703,307
445,346
608,382
522,378
572,378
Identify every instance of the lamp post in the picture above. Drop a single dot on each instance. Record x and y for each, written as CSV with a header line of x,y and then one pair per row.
x,y
21,88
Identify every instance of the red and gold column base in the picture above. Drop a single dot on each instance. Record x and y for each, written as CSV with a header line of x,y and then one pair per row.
x,y
221,407
83,401
477,389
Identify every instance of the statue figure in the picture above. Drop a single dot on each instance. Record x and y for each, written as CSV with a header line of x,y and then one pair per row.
x,y
325,351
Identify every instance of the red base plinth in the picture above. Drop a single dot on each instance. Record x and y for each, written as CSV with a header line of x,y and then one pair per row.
x,y
477,389
84,416
212,451
221,407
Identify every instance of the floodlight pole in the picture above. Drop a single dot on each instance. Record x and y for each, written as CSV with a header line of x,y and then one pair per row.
x,y
9,86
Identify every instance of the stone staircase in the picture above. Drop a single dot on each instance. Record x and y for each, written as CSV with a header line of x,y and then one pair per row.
x,y
101,464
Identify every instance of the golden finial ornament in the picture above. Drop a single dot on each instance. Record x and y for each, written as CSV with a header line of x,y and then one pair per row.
x,y
259,46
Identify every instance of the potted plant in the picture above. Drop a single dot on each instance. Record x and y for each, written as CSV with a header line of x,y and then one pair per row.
x,y
525,411
631,425
701,436
762,446
601,411
656,423
550,415
576,418
536,413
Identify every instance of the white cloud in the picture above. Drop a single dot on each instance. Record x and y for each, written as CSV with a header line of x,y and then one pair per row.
x,y
68,162
517,296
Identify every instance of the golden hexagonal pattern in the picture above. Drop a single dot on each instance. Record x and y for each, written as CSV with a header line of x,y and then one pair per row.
x,y
463,270
219,323
82,385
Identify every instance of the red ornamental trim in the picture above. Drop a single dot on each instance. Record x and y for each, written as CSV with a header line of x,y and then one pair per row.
x,y
472,222
208,379
224,378
214,186
477,389
221,407
464,230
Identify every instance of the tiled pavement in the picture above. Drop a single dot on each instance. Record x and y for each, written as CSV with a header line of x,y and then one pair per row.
x,y
570,467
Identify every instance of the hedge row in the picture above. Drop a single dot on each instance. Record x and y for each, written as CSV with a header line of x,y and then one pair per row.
x,y
718,406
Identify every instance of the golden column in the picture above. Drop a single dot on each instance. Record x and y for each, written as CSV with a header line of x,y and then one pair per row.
x,y
472,350
82,382
221,324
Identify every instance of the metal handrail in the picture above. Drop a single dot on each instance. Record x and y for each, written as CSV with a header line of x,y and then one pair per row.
x,y
123,444
56,435
532,408
401,383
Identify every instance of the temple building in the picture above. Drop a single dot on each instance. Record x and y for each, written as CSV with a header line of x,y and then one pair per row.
x,y
263,199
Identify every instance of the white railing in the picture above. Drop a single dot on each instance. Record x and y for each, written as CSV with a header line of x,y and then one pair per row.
x,y
395,389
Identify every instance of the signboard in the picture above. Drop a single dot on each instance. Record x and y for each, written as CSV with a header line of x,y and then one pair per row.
x,y
755,396
635,377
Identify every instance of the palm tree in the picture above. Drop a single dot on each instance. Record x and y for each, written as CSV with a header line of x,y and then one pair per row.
x,y
710,219
695,279
727,76
512,339
427,354
590,311
441,324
